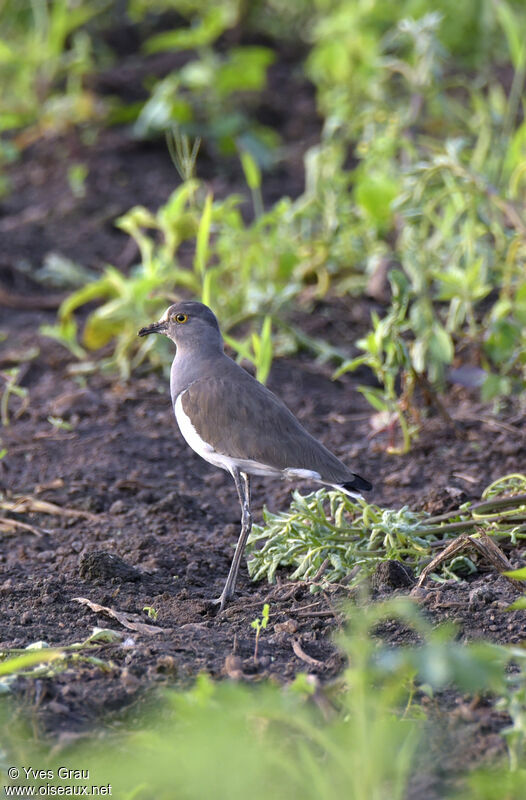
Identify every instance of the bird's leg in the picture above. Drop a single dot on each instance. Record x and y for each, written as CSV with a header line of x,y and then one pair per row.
x,y
242,482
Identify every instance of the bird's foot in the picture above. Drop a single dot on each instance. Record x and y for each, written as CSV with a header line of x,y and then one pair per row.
x,y
222,601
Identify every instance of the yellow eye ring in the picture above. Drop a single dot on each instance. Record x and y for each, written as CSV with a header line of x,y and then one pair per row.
x,y
180,318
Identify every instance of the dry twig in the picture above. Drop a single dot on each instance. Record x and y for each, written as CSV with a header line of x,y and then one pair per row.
x,y
301,654
130,621
482,543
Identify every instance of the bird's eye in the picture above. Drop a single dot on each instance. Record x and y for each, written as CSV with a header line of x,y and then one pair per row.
x,y
180,318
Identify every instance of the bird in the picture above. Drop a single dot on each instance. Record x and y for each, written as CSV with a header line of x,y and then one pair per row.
x,y
234,422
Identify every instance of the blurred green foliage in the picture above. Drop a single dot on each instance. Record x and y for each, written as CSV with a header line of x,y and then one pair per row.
x,y
45,54
359,737
439,185
419,171
202,98
243,278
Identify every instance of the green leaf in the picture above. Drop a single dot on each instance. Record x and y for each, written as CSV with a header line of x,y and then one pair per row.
x,y
100,330
503,338
65,332
350,366
244,70
418,355
241,347
510,25
264,354
520,304
136,217
29,659
93,291
175,206
375,192
374,397
204,33
251,170
441,345
518,604
518,574
7,54
203,236
207,294
494,386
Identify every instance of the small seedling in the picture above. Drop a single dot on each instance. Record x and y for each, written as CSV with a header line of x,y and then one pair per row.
x,y
10,378
77,175
60,424
151,611
260,625
256,349
182,154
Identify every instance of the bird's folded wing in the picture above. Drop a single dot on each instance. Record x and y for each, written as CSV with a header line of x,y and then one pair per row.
x,y
245,420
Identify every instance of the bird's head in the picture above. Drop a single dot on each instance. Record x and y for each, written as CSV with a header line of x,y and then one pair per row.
x,y
188,324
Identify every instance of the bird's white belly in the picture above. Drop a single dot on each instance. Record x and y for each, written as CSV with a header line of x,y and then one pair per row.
x,y
207,452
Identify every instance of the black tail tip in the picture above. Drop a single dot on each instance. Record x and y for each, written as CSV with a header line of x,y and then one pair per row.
x,y
359,484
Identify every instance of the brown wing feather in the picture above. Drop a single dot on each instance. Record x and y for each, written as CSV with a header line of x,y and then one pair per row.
x,y
245,420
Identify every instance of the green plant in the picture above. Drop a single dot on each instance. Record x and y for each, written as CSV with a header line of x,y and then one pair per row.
x,y
434,193
44,44
129,301
151,611
388,354
462,242
260,624
349,40
10,378
256,349
77,174
514,703
59,424
65,332
253,178
326,535
518,575
39,660
243,271
444,215
203,97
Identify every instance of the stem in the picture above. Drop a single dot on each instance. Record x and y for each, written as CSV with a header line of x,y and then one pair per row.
x,y
516,91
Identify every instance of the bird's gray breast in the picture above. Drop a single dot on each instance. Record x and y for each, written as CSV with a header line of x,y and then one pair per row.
x,y
189,367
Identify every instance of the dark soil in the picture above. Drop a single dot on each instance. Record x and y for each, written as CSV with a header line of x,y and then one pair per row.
x,y
143,522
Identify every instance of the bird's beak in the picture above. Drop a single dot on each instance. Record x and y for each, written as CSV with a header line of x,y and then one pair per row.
x,y
155,327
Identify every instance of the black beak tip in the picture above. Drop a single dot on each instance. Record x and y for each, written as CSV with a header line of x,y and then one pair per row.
x,y
155,327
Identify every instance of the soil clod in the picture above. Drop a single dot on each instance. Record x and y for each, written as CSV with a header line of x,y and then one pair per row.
x,y
100,566
391,575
